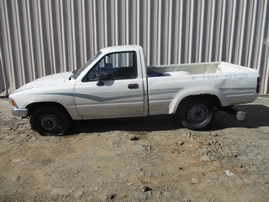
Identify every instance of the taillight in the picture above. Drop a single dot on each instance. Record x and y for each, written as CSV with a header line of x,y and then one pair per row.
x,y
258,84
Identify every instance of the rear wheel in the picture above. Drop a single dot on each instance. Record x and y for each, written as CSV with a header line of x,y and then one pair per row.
x,y
49,121
197,114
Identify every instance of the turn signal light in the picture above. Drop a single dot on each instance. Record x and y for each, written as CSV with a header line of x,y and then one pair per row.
x,y
13,103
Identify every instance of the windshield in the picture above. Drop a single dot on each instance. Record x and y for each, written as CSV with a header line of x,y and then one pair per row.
x,y
78,72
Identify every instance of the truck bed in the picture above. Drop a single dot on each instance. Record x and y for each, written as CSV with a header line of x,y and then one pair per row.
x,y
193,68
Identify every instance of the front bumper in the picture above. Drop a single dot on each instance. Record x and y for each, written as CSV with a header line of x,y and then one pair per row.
x,y
21,112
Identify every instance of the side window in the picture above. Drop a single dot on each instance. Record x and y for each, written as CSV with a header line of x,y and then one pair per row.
x,y
120,65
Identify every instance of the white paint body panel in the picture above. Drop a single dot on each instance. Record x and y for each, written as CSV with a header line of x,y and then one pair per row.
x,y
160,88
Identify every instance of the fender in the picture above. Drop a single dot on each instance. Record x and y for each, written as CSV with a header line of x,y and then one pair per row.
x,y
186,92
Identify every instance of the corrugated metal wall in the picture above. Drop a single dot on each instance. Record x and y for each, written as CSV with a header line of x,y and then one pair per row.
x,y
41,37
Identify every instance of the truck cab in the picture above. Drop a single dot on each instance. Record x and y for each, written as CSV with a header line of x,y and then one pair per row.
x,y
116,85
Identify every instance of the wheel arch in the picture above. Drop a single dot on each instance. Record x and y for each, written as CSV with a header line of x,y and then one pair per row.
x,y
33,106
213,99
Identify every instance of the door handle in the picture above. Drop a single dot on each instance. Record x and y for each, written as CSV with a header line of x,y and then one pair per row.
x,y
133,86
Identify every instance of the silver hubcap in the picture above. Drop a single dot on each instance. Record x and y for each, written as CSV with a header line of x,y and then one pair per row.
x,y
50,123
198,114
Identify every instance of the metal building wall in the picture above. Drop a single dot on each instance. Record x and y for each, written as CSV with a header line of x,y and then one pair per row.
x,y
41,37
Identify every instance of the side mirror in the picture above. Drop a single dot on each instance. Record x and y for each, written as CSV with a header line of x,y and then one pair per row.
x,y
102,77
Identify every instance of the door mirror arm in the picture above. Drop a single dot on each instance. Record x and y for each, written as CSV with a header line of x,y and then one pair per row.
x,y
102,77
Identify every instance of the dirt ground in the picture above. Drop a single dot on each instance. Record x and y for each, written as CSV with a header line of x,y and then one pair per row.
x,y
138,159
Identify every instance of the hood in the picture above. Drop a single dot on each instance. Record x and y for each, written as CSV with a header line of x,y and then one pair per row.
x,y
44,82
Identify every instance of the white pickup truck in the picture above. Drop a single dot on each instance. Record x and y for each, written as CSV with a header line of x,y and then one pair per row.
x,y
117,83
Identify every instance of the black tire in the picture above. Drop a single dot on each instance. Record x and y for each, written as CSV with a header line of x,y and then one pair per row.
x,y
48,121
196,113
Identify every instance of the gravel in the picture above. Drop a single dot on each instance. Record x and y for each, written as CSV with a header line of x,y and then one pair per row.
x,y
137,159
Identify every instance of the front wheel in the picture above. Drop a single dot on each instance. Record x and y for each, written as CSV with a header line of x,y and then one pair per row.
x,y
197,114
49,121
